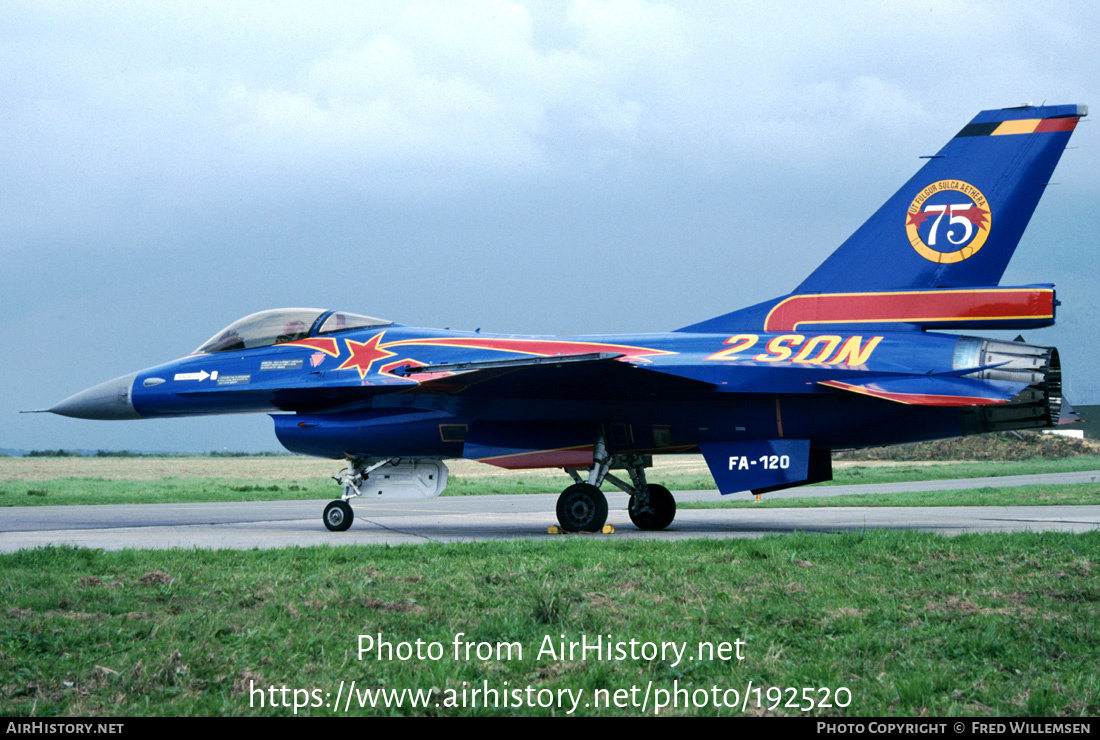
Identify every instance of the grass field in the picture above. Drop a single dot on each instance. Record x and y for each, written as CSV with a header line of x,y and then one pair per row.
x,y
1049,495
881,623
53,481
909,624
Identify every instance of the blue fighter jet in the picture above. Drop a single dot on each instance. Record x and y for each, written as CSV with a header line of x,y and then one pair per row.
x,y
849,359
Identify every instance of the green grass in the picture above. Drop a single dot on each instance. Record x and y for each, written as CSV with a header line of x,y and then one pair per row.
x,y
1047,495
1025,445
59,491
912,624
941,471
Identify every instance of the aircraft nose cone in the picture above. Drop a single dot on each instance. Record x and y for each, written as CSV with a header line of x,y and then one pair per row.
x,y
110,400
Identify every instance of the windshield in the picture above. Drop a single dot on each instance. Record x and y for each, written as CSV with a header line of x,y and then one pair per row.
x,y
279,326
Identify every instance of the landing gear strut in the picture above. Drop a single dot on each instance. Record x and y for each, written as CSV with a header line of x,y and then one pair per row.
x,y
582,507
338,515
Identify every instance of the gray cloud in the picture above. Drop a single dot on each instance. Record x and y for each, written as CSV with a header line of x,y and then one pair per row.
x,y
540,167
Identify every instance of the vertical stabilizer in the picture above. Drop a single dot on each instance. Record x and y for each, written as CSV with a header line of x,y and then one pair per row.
x,y
933,255
958,220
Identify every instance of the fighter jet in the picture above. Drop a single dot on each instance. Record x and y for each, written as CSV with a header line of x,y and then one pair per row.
x,y
852,357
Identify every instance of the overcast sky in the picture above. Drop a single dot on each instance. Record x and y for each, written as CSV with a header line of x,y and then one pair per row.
x,y
540,167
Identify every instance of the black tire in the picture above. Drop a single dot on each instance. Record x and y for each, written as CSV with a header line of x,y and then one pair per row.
x,y
338,516
664,509
582,508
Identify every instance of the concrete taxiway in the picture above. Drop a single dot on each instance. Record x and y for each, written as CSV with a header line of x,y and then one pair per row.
x,y
272,524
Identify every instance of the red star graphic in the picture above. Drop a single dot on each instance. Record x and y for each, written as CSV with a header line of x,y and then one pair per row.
x,y
916,219
364,354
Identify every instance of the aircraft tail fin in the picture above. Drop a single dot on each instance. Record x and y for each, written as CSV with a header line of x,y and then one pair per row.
x,y
953,226
957,221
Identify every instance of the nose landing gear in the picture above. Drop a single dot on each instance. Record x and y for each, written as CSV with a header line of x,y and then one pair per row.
x,y
393,477
338,516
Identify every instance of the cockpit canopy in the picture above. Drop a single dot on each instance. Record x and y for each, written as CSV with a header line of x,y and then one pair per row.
x,y
282,325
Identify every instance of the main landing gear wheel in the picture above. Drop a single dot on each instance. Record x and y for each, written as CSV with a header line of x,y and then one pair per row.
x,y
660,512
338,516
582,508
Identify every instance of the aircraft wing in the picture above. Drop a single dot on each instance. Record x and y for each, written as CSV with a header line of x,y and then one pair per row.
x,y
599,376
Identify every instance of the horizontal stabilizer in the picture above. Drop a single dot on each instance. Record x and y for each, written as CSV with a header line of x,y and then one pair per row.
x,y
933,390
1066,414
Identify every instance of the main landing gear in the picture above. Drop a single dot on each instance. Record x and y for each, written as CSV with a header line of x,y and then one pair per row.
x,y
582,507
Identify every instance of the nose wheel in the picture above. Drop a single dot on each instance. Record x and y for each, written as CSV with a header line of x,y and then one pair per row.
x,y
338,516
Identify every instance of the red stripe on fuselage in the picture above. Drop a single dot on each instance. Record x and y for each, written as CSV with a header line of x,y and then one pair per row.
x,y
324,344
537,347
911,307
577,457
915,399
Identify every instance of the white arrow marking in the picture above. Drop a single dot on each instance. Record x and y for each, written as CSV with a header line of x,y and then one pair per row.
x,y
199,376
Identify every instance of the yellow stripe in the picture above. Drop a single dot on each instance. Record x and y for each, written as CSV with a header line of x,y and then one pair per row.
x,y
1017,127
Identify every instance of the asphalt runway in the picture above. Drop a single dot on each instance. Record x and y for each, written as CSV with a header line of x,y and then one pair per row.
x,y
273,524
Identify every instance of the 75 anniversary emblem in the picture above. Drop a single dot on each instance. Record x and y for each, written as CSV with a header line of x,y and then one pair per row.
x,y
948,221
